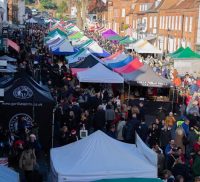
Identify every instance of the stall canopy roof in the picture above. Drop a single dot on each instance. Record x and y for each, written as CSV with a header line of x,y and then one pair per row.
x,y
132,180
115,37
63,48
127,40
87,62
99,74
187,53
97,50
147,48
180,49
112,56
87,160
145,76
121,63
8,175
130,67
117,59
8,58
22,84
83,53
109,33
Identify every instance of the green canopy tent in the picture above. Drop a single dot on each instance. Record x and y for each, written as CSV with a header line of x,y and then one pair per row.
x,y
57,31
187,61
115,37
132,180
127,40
85,44
187,53
180,49
78,35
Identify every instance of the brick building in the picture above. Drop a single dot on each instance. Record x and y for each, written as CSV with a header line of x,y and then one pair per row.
x,y
168,24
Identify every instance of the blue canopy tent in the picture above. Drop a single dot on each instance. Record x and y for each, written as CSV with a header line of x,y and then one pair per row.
x,y
121,63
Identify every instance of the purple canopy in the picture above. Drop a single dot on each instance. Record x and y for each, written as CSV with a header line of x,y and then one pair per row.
x,y
109,33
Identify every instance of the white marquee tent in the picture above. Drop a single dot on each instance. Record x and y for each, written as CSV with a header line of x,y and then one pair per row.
x,y
99,74
63,46
8,175
99,156
144,47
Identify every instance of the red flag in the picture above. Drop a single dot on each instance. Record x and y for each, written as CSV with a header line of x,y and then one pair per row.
x,y
13,45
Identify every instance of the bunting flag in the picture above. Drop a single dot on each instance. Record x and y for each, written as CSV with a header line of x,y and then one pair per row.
x,y
13,45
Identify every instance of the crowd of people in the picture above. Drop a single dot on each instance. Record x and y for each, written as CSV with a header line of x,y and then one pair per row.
x,y
175,138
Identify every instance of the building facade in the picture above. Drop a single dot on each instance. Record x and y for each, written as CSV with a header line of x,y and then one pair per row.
x,y
16,11
168,24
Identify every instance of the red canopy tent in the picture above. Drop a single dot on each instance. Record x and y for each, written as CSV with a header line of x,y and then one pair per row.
x,y
130,67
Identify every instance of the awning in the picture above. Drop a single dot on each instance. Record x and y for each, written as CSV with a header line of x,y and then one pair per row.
x,y
99,74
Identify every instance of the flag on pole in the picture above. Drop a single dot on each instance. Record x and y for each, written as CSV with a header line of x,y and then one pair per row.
x,y
13,45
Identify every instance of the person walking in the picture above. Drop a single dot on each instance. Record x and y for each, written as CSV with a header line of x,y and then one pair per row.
x,y
27,163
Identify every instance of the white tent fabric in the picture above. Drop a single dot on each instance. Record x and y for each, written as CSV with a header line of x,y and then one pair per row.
x,y
7,58
79,56
95,48
136,44
31,20
8,175
64,46
146,151
97,157
51,45
99,74
143,46
57,36
147,48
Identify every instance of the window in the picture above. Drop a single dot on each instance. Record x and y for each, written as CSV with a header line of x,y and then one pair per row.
x,y
150,24
115,13
186,24
134,24
127,19
180,23
176,23
123,12
161,22
190,25
140,7
166,23
155,21
172,22
169,22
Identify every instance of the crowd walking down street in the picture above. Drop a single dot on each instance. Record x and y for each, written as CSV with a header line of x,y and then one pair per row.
x,y
175,137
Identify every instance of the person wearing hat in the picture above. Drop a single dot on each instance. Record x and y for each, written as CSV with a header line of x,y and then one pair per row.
x,y
34,144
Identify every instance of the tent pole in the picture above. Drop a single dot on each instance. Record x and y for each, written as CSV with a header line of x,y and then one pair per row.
x,y
129,90
52,134
124,91
173,99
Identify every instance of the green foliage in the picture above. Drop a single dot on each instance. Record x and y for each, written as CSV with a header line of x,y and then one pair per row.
x,y
48,4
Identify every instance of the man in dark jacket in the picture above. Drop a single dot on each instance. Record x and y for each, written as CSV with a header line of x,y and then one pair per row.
x,y
99,119
130,128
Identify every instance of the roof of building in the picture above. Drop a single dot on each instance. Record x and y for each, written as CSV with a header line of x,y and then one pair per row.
x,y
184,4
168,4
